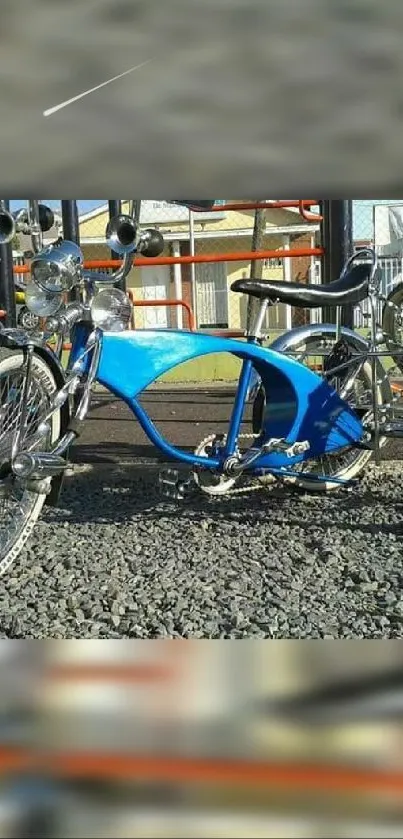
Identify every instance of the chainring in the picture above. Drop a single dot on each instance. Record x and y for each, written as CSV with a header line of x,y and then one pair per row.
x,y
208,481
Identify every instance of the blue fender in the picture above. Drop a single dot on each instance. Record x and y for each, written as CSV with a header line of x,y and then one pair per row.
x,y
300,404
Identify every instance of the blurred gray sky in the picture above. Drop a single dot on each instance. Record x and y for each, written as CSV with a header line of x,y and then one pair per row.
x,y
296,96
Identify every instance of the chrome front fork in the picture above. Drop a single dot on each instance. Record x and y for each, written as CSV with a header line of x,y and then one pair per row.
x,y
28,464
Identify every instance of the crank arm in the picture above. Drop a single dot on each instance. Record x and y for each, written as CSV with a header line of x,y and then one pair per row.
x,y
281,473
236,466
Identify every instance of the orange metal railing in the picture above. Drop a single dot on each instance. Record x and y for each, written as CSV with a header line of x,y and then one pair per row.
x,y
167,302
183,770
237,256
303,206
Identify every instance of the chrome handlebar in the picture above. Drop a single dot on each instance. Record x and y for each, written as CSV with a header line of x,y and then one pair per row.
x,y
34,225
32,221
122,237
110,279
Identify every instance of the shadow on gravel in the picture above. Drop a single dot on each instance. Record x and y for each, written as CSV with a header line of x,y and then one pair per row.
x,y
117,453
116,498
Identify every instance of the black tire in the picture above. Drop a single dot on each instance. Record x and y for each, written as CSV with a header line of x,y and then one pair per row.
x,y
19,507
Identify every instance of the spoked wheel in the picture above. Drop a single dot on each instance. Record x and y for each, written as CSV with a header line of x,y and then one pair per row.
x,y
19,507
27,320
346,463
392,325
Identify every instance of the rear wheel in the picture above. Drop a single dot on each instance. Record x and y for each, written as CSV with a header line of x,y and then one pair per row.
x,y
19,507
349,462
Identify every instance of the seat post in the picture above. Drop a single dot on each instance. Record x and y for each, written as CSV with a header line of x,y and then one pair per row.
x,y
256,328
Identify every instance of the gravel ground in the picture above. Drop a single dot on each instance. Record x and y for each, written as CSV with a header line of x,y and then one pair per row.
x,y
116,561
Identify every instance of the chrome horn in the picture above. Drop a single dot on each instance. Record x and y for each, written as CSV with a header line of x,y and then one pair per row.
x,y
33,221
121,234
7,226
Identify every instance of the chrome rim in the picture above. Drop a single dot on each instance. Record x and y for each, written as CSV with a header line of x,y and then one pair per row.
x,y
16,502
359,398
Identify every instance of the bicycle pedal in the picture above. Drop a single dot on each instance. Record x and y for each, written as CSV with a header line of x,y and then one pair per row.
x,y
171,486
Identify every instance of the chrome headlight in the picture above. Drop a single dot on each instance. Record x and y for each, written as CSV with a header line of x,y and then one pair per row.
x,y
111,310
40,302
58,267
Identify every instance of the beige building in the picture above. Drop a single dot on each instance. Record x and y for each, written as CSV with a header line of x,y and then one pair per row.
x,y
206,286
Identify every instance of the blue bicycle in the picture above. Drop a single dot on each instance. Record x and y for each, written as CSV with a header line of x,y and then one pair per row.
x,y
313,429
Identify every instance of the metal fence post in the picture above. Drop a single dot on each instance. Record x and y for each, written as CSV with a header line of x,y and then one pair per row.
x,y
71,230
115,208
337,241
7,288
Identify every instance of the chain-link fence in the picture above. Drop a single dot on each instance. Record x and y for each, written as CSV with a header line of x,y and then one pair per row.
x,y
222,241
379,224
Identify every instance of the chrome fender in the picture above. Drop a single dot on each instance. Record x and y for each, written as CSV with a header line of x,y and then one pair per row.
x,y
289,340
285,343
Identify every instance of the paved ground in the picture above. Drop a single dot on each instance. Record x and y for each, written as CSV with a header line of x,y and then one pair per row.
x,y
183,415
307,93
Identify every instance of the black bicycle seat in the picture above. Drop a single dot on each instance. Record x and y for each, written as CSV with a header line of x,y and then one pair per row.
x,y
350,288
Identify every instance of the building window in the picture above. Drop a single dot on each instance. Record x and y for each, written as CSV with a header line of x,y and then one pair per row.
x,y
211,295
273,263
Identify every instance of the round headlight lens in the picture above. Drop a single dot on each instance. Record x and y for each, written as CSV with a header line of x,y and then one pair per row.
x,y
47,276
40,302
111,310
57,268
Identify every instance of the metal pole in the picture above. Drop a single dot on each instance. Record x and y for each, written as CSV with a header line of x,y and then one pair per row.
x,y
176,251
256,265
71,230
7,289
192,265
337,240
135,209
115,208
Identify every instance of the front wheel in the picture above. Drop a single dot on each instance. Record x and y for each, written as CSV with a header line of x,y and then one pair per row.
x,y
349,462
20,507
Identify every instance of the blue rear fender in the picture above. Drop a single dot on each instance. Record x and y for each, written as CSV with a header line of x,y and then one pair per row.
x,y
300,404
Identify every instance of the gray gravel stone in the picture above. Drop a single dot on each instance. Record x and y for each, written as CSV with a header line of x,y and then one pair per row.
x,y
116,561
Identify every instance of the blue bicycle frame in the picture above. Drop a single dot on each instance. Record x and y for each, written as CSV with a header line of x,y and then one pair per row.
x,y
300,405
